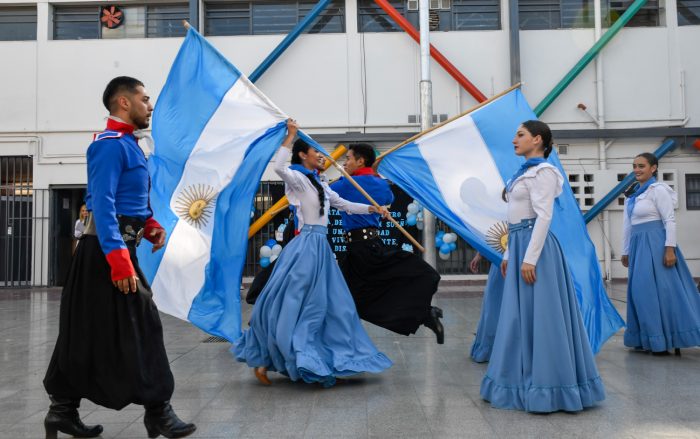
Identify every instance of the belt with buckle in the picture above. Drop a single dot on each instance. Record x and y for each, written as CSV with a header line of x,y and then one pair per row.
x,y
130,228
361,234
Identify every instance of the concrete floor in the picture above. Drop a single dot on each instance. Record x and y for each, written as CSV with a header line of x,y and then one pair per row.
x,y
431,391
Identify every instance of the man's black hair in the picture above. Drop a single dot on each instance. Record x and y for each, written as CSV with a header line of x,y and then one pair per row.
x,y
118,85
364,150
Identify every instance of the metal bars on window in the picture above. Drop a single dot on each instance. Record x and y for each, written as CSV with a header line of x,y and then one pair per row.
x,y
567,14
83,22
688,12
17,23
265,17
23,225
692,191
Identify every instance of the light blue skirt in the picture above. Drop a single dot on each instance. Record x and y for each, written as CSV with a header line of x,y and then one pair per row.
x,y
304,323
663,304
488,322
541,359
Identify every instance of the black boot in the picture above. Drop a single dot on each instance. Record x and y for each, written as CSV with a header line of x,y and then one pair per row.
x,y
433,322
63,416
161,419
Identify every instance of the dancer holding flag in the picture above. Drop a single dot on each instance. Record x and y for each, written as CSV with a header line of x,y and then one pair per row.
x,y
392,288
304,324
663,305
541,359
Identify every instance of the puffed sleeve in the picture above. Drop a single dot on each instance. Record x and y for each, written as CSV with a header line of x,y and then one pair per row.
x,y
105,163
343,204
663,199
544,187
292,178
626,231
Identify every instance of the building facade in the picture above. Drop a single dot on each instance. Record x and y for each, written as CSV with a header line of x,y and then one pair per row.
x,y
353,75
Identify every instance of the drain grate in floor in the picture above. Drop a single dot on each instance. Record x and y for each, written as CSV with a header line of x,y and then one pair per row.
x,y
214,339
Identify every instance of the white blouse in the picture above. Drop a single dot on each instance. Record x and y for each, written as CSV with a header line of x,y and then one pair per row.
x,y
533,196
303,195
656,203
78,229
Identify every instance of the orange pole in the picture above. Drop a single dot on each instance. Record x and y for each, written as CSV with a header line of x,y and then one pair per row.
x,y
283,203
437,56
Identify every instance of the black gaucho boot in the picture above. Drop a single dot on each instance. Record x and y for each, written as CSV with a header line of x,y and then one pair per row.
x,y
433,322
161,419
63,416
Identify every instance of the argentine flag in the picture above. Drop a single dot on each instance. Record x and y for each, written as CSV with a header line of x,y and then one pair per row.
x,y
214,133
458,172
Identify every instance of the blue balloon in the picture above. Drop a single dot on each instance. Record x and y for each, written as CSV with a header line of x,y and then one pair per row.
x,y
264,262
440,234
445,248
270,243
411,220
453,246
438,242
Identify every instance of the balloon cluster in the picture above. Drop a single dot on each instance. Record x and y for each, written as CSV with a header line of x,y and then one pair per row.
x,y
414,214
446,242
269,252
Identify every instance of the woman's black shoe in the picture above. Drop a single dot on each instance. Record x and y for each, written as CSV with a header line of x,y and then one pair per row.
x,y
433,322
63,416
162,419
661,353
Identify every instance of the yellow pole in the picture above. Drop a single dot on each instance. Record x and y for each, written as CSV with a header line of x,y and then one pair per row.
x,y
283,203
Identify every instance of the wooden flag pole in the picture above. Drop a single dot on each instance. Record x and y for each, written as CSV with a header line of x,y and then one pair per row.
x,y
422,133
374,203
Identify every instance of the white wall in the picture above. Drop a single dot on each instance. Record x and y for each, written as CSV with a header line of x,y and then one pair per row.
x,y
51,89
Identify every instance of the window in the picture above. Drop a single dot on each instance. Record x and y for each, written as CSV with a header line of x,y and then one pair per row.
x,y
692,191
688,12
18,23
567,14
76,22
445,15
140,21
269,17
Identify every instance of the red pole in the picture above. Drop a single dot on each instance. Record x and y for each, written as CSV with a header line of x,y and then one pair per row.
x,y
437,56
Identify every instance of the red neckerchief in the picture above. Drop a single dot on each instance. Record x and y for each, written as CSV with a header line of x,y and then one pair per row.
x,y
115,125
364,171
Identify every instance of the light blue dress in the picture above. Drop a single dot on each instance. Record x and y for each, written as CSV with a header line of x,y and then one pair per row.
x,y
488,322
304,323
541,359
663,304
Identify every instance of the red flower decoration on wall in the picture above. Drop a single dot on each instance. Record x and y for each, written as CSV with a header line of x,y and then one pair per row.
x,y
111,16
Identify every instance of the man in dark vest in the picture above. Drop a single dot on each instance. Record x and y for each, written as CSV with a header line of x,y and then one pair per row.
x,y
392,288
110,341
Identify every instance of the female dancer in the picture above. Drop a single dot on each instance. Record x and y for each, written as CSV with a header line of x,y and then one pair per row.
x,y
541,359
663,305
304,323
490,309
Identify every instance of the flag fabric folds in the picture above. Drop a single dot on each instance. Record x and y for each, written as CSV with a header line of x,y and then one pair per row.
x,y
215,134
458,172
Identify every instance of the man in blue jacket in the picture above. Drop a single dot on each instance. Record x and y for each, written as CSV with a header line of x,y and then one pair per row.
x,y
392,288
110,342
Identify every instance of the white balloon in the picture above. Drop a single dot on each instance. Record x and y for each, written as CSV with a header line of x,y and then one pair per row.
x,y
276,249
265,251
420,225
447,238
420,216
454,237
412,208
444,256
272,258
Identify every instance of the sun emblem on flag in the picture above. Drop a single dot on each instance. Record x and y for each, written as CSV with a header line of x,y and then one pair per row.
x,y
497,236
195,204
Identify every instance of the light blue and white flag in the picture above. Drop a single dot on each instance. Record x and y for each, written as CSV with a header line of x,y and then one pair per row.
x,y
458,172
214,133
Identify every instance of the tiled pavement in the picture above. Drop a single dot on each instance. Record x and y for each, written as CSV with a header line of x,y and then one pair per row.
x,y
431,391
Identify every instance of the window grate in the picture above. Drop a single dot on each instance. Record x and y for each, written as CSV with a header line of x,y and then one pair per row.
x,y
18,23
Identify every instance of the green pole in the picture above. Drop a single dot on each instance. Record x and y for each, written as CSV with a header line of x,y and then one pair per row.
x,y
589,56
